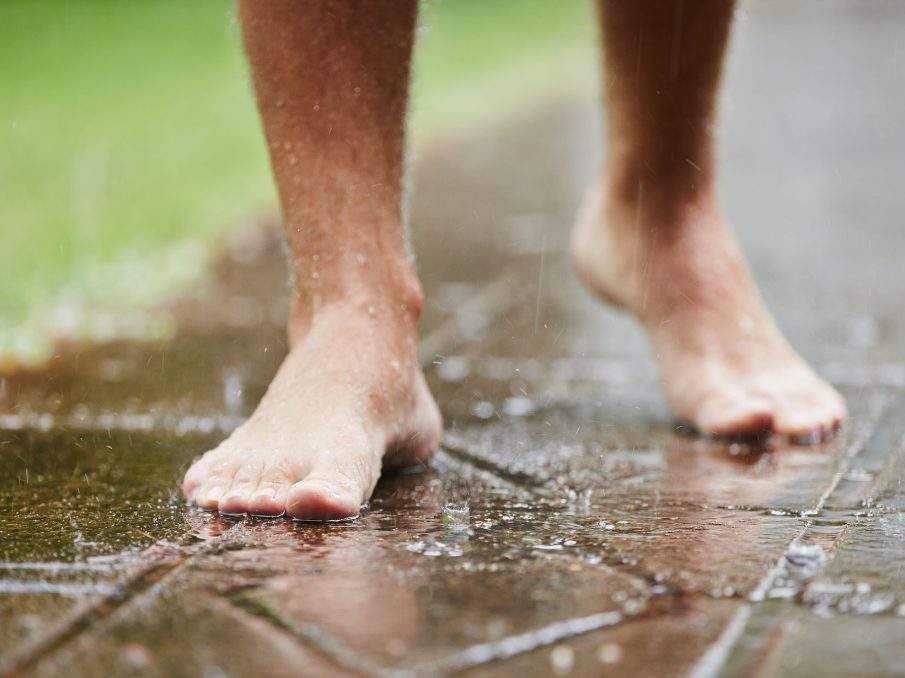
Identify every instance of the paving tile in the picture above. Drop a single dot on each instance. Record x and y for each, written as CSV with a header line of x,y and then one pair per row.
x,y
181,631
658,645
456,571
839,646
25,617
446,616
843,566
703,516
70,496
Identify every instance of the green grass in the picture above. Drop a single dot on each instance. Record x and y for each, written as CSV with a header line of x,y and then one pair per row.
x,y
480,61
129,141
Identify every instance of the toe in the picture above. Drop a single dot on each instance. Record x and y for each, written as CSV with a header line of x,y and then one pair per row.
x,y
208,494
805,423
324,499
218,475
194,478
798,419
810,416
269,502
735,416
335,487
330,495
269,499
838,411
237,498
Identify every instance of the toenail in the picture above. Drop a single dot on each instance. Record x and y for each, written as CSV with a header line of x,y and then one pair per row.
x,y
330,487
214,494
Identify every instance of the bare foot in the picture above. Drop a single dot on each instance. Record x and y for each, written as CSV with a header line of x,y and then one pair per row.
x,y
348,400
725,367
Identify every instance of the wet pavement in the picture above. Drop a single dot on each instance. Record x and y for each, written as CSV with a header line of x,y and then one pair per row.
x,y
567,526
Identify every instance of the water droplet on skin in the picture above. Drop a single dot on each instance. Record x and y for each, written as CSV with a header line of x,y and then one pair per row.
x,y
315,275
360,258
317,107
371,310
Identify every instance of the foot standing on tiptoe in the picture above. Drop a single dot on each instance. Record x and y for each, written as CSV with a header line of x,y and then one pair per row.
x,y
651,237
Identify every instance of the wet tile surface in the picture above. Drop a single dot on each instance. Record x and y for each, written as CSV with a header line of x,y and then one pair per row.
x,y
567,527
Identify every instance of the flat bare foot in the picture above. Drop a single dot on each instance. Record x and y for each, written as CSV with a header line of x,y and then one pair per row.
x,y
725,367
348,400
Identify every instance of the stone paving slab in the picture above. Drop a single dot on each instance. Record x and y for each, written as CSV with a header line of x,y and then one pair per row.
x,y
658,646
839,646
90,494
184,631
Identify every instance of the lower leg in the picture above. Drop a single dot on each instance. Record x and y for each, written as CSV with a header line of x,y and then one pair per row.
x,y
331,80
651,236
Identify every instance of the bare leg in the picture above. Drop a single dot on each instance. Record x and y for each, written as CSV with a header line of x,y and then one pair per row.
x,y
332,79
652,239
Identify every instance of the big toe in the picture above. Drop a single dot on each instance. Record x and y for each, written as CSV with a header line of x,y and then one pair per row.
x,y
740,415
324,498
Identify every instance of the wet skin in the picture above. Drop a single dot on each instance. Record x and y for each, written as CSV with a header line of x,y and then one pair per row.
x,y
294,456
725,368
350,399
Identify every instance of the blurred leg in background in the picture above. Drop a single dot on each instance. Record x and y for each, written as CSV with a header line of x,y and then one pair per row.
x,y
651,237
331,79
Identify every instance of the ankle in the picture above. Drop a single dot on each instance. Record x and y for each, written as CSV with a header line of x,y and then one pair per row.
x,y
395,302
664,185
646,203
626,246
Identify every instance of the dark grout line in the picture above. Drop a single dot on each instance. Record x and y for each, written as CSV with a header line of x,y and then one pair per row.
x,y
310,635
514,477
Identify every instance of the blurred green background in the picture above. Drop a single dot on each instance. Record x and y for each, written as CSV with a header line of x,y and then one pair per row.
x,y
129,141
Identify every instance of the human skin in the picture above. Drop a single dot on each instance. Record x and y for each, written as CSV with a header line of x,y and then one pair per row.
x,y
349,400
651,237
